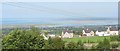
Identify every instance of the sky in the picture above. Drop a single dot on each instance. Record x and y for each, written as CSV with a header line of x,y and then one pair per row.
x,y
60,12
60,0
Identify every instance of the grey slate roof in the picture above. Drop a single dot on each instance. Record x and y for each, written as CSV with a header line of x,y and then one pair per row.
x,y
87,30
69,31
113,29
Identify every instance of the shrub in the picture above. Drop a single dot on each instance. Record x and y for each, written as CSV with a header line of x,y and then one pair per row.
x,y
105,44
80,45
71,45
115,38
114,45
54,43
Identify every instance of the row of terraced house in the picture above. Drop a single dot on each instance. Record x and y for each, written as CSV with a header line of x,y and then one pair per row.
x,y
88,32
85,32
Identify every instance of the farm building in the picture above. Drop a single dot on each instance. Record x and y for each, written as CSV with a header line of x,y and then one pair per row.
x,y
88,32
67,34
108,32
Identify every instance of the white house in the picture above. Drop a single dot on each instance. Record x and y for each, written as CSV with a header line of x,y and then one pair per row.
x,y
46,38
100,33
112,30
108,32
88,32
50,34
67,34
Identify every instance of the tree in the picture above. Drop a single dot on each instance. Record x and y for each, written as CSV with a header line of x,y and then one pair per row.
x,y
23,39
54,43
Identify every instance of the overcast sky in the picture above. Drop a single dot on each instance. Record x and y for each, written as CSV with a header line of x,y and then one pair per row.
x,y
60,0
60,13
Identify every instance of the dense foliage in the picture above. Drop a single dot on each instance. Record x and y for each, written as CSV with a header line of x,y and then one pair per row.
x,y
73,45
23,39
115,38
54,43
114,45
105,44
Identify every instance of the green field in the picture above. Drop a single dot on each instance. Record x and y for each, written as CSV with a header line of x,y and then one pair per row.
x,y
94,39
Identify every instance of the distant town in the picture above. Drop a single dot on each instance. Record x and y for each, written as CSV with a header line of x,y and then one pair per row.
x,y
70,31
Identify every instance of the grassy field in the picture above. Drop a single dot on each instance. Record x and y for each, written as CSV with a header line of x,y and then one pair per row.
x,y
94,39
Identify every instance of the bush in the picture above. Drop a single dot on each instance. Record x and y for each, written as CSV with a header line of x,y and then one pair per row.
x,y
115,38
93,47
71,45
80,45
114,45
54,43
105,44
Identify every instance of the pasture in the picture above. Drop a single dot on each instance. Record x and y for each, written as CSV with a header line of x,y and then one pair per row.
x,y
93,39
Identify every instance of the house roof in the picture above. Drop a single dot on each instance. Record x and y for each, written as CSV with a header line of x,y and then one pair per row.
x,y
69,31
50,33
99,30
113,29
87,30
